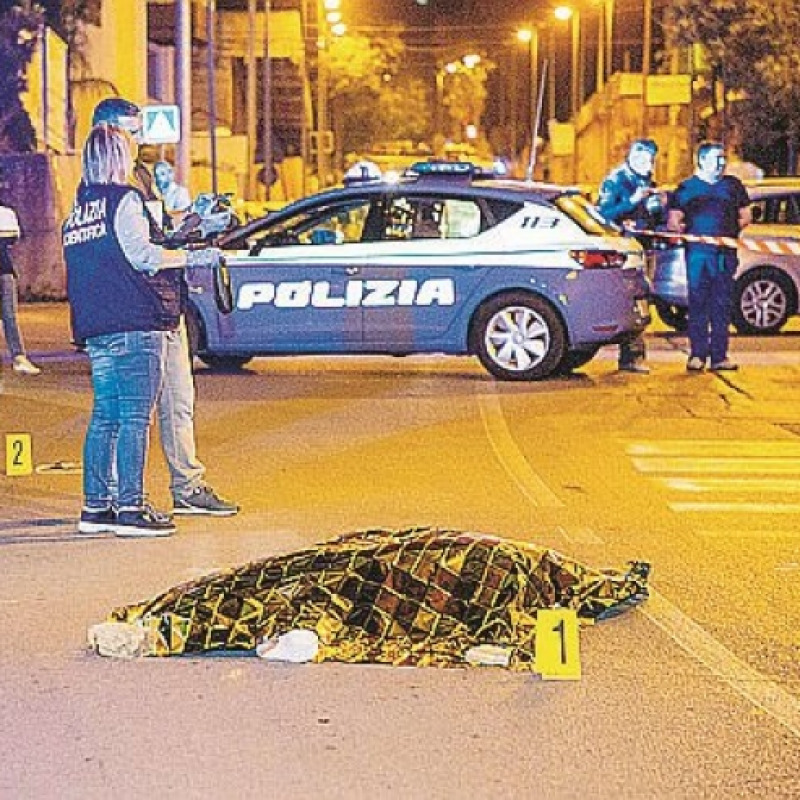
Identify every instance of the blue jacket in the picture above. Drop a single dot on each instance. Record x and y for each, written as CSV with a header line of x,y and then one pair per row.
x,y
615,203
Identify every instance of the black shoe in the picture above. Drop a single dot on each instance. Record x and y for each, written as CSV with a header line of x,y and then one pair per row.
x,y
636,367
97,520
143,522
204,500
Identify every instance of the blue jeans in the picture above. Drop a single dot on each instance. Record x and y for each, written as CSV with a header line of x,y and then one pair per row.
x,y
8,299
176,416
127,371
710,275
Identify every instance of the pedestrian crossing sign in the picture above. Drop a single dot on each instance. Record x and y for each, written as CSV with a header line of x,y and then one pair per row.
x,y
161,124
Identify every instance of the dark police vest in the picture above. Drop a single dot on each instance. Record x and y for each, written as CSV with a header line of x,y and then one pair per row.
x,y
106,294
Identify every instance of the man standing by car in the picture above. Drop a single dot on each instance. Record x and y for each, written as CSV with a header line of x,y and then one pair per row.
x,y
190,493
710,204
628,197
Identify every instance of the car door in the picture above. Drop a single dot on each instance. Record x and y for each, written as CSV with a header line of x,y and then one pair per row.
x,y
422,270
290,289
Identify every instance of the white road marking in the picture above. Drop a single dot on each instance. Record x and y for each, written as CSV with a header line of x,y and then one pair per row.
x,y
738,508
720,466
754,687
743,533
777,448
743,485
511,458
714,469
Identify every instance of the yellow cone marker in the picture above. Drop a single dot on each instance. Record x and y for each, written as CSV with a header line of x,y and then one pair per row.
x,y
558,654
19,454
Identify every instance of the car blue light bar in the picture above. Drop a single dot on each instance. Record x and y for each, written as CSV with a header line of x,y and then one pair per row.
x,y
441,168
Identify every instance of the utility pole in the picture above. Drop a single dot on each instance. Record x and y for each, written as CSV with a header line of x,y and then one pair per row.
x,y
183,87
211,18
267,116
252,105
322,98
647,38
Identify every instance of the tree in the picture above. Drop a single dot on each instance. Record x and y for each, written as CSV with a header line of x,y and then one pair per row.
x,y
357,70
19,30
20,22
464,94
404,110
751,48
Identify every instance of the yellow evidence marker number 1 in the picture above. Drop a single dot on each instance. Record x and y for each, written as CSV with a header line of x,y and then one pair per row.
x,y
19,454
558,654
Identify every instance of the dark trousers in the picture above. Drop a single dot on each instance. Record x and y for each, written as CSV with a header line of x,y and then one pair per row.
x,y
710,275
632,352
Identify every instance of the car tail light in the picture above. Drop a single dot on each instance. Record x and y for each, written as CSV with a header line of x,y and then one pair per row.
x,y
598,259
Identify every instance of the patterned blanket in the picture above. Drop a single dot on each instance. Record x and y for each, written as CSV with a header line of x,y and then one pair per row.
x,y
419,596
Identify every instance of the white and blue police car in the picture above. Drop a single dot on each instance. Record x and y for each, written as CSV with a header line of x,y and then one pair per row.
x,y
528,277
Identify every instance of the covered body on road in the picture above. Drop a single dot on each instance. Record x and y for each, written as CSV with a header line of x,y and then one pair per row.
x,y
420,596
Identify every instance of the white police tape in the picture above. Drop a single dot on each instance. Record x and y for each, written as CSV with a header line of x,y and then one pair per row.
x,y
779,247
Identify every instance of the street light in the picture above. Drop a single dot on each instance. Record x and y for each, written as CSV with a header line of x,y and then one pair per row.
x,y
569,14
562,14
530,36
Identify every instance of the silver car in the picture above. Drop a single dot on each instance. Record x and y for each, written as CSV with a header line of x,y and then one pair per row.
x,y
767,285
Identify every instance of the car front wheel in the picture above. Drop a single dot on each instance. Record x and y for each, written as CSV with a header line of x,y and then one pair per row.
x,y
518,337
764,299
197,345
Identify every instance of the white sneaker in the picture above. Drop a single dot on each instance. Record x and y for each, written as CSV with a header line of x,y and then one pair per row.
x,y
24,366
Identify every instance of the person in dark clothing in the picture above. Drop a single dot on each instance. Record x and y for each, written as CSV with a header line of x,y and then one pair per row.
x,y
125,304
190,492
9,297
710,204
628,197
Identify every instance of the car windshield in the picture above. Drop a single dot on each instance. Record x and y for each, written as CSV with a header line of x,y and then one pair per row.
x,y
581,211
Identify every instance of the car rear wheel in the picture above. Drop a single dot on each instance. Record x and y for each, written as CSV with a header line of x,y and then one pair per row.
x,y
764,299
518,337
676,317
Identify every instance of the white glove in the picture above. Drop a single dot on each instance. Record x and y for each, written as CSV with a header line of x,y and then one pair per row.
x,y
208,257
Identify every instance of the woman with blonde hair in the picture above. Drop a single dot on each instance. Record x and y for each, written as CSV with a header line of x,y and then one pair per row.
x,y
124,295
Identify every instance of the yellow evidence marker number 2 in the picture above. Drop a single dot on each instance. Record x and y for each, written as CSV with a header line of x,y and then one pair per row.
x,y
19,454
558,645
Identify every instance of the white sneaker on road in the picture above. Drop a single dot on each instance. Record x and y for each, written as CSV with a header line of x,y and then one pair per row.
x,y
24,366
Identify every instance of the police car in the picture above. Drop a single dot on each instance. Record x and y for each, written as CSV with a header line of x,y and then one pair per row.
x,y
527,277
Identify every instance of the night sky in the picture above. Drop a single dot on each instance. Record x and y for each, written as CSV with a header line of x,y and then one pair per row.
x,y
442,12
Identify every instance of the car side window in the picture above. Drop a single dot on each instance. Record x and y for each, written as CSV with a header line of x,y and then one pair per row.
x,y
337,223
783,210
793,209
408,218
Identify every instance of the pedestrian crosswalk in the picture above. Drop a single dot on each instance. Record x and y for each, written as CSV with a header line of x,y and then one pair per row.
x,y
756,482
